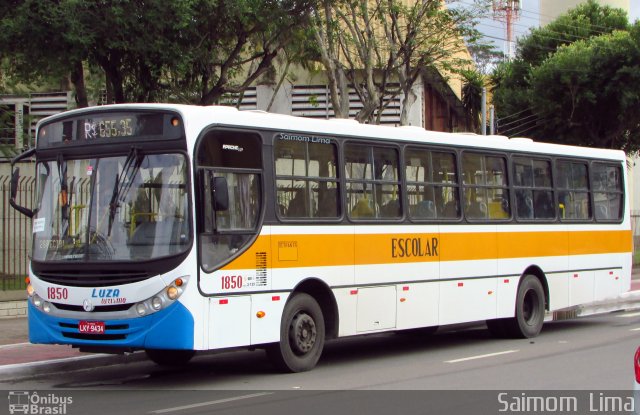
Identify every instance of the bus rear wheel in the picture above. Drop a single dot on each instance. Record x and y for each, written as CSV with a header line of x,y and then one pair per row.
x,y
302,335
529,312
173,358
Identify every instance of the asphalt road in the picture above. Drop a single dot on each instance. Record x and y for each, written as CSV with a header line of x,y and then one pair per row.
x,y
457,370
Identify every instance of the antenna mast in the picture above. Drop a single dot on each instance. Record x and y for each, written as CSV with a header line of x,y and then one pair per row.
x,y
507,11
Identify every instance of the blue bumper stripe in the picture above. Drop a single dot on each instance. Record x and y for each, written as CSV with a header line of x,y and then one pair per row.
x,y
171,328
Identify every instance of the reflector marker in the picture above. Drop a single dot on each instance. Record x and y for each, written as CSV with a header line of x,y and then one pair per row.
x,y
275,298
225,301
353,292
461,284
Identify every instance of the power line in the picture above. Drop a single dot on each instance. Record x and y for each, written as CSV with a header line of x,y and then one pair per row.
x,y
519,126
526,130
514,114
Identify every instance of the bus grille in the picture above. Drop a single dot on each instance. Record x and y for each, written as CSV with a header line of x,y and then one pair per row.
x,y
92,279
100,308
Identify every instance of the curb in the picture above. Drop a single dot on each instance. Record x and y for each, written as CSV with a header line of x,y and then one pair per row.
x,y
23,370
624,302
13,309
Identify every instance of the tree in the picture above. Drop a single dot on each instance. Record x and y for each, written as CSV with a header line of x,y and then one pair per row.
x,y
472,95
188,51
35,47
371,45
588,93
552,92
233,43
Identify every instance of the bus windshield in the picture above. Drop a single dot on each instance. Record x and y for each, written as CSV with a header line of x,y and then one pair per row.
x,y
131,207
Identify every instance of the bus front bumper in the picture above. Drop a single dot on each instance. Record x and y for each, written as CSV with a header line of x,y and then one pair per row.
x,y
171,328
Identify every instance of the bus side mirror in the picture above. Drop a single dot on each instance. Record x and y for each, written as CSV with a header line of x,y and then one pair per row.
x,y
15,177
13,192
220,194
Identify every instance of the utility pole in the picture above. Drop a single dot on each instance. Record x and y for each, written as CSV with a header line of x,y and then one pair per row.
x,y
483,117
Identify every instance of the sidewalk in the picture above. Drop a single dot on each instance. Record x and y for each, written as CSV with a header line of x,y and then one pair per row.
x,y
18,357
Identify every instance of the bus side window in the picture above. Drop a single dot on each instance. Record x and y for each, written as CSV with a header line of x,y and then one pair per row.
x,y
306,178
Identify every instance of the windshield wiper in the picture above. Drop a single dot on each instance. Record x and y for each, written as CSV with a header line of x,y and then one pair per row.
x,y
123,182
63,196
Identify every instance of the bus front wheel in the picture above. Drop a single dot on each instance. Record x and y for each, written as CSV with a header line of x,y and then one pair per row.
x,y
170,357
302,334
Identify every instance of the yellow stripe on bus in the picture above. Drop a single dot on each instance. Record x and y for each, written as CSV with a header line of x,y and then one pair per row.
x,y
292,251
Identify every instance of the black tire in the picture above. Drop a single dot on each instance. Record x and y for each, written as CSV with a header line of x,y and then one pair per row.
x,y
530,310
302,335
171,358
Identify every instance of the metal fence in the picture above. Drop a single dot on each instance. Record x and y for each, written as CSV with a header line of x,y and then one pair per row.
x,y
635,227
16,234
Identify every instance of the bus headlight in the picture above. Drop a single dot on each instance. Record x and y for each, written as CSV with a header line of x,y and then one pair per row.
x,y
173,293
37,301
163,299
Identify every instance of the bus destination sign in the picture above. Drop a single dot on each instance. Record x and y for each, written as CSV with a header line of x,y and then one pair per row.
x,y
108,128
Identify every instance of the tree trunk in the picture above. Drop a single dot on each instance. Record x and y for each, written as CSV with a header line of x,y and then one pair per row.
x,y
77,79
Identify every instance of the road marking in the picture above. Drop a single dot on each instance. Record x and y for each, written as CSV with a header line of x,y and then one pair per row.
x,y
199,405
482,356
637,329
629,315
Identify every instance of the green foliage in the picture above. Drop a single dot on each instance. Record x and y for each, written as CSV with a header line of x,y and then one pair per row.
x,y
473,82
574,81
586,20
151,50
588,93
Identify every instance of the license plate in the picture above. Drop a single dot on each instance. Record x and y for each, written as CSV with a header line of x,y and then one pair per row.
x,y
91,327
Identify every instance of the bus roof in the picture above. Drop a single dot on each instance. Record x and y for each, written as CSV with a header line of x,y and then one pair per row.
x,y
197,118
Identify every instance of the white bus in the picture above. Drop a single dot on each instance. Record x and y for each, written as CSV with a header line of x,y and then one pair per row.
x,y
174,229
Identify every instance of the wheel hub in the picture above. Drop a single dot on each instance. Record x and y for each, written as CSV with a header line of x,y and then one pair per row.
x,y
302,333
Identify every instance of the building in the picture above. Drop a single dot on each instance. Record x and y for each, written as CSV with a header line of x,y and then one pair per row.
x,y
551,9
